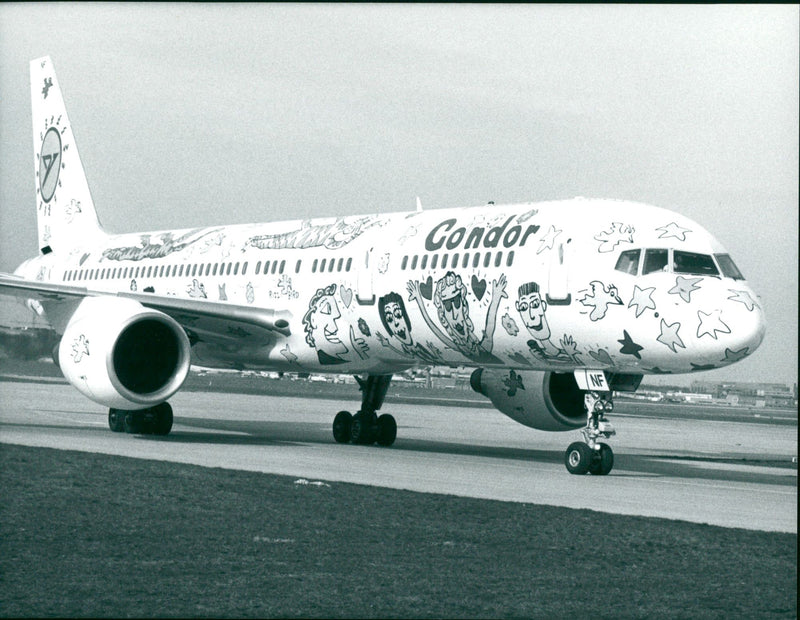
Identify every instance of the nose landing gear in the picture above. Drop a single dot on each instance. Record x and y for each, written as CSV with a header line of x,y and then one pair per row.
x,y
593,456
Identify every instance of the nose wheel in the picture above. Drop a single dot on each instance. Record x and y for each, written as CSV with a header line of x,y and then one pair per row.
x,y
591,455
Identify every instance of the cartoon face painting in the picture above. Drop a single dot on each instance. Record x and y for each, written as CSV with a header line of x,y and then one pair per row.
x,y
532,308
450,298
321,327
394,318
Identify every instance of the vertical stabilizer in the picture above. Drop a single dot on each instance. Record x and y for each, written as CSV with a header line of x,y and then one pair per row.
x,y
65,210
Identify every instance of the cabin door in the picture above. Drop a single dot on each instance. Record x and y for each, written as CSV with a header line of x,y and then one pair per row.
x,y
558,281
365,294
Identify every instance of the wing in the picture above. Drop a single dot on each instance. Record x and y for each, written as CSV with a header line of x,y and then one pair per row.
x,y
205,321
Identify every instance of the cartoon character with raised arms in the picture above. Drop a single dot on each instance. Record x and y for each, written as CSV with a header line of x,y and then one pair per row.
x,y
320,325
450,299
394,317
532,308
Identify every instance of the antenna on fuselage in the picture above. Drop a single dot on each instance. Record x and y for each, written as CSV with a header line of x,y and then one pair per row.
x,y
419,205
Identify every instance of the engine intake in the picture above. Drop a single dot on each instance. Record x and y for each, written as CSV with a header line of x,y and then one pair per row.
x,y
547,401
123,355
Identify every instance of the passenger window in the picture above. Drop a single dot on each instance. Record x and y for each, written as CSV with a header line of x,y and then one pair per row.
x,y
236,269
322,264
434,260
414,262
454,261
258,267
339,264
244,268
628,262
404,263
498,260
349,263
655,260
297,266
510,259
424,262
487,259
314,266
444,261
692,263
476,259
729,269
283,264
208,269
331,265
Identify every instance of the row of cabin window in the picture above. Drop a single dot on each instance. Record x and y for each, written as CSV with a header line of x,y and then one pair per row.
x,y
476,260
319,265
171,271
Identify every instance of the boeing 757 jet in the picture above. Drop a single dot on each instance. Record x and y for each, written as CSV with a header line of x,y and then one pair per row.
x,y
555,305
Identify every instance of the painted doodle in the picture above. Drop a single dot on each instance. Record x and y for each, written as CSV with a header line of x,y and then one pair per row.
x,y
80,348
673,230
331,236
452,306
532,310
611,238
600,298
393,314
157,246
322,328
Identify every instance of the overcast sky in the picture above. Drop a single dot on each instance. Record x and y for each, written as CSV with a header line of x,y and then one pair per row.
x,y
198,115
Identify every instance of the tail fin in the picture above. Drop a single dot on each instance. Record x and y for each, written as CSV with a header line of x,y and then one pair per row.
x,y
65,210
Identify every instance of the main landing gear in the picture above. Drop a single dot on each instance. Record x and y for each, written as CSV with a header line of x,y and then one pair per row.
x,y
593,456
153,421
366,427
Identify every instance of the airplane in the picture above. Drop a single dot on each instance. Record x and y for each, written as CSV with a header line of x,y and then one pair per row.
x,y
555,305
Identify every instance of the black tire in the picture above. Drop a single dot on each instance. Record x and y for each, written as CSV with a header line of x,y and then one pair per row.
x,y
362,429
578,458
341,426
603,461
162,424
133,422
387,430
116,420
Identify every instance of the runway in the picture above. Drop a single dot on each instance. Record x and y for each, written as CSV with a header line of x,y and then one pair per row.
x,y
731,474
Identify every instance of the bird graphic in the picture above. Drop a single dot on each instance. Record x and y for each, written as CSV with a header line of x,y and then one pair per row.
x,y
600,298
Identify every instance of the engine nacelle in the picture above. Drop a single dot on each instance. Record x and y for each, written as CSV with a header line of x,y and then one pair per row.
x,y
547,401
123,355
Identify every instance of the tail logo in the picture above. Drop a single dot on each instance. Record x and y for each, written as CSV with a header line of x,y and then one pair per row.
x,y
49,164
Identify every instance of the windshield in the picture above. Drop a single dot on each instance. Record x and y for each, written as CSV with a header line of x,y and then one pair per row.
x,y
729,269
694,264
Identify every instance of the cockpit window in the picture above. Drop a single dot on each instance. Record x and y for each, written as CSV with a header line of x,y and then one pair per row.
x,y
655,260
729,269
628,262
694,264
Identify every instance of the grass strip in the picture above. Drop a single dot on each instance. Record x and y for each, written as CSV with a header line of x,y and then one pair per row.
x,y
89,535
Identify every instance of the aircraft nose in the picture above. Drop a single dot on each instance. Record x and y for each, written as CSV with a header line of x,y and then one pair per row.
x,y
750,329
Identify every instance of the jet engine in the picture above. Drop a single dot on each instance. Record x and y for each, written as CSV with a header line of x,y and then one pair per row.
x,y
547,401
123,355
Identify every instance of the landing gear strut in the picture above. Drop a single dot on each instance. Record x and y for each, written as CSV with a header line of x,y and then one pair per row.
x,y
153,421
366,427
593,456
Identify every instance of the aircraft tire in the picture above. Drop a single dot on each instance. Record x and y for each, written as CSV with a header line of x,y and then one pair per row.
x,y
162,424
603,461
578,458
132,422
341,426
361,429
387,430
116,420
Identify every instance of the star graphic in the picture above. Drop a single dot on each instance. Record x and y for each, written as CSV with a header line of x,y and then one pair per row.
x,y
710,324
513,382
549,239
669,336
743,297
735,356
685,287
642,299
629,347
673,230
